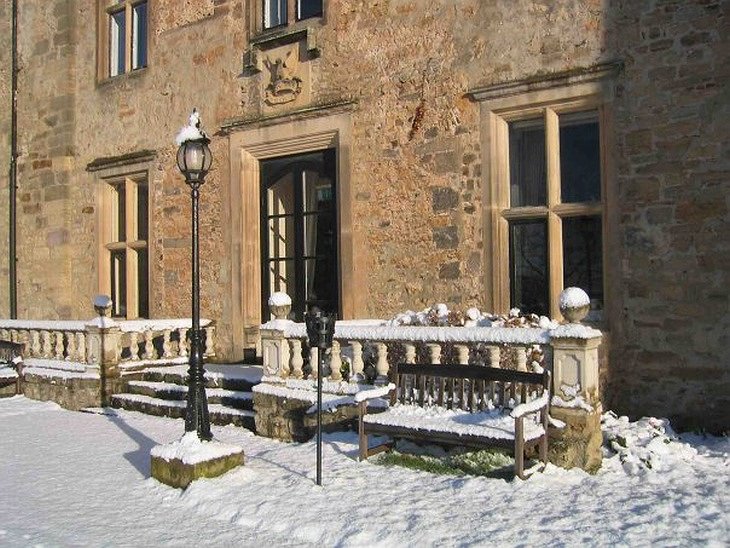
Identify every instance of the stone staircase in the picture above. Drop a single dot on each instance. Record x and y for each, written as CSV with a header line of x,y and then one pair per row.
x,y
161,391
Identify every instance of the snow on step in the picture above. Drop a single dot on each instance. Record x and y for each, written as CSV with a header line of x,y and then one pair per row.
x,y
213,408
8,373
171,387
60,365
59,373
250,373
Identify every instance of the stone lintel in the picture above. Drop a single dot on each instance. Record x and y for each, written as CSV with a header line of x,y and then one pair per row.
x,y
178,474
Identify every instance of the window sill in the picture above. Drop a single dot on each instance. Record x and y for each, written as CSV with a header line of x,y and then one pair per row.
x,y
110,81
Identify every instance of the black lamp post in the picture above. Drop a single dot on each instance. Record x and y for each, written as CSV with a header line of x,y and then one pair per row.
x,y
194,160
320,332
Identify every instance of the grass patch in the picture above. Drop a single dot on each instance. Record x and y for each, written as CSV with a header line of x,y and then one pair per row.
x,y
487,463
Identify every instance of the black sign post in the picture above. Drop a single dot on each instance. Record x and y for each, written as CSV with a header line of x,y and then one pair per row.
x,y
320,332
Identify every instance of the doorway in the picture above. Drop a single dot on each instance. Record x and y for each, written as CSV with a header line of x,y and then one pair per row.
x,y
299,240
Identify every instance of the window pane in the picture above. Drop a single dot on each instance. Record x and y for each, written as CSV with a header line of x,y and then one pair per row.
x,y
580,158
119,283
308,8
316,192
281,237
117,36
583,257
143,284
139,36
274,13
321,283
319,234
119,230
527,165
142,211
528,266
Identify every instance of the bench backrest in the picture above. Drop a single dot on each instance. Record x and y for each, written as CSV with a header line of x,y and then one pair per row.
x,y
469,387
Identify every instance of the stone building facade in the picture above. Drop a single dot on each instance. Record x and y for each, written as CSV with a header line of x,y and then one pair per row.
x,y
423,104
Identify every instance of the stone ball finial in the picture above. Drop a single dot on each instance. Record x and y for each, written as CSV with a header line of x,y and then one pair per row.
x,y
574,304
280,305
103,305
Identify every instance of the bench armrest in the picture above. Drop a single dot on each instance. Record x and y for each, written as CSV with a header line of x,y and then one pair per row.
x,y
531,407
373,393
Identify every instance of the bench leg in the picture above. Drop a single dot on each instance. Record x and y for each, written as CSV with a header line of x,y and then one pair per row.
x,y
519,448
363,437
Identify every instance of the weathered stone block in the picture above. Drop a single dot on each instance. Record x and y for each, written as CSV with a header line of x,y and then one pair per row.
x,y
578,445
176,473
446,237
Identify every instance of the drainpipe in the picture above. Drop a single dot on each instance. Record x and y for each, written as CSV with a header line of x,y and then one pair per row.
x,y
13,175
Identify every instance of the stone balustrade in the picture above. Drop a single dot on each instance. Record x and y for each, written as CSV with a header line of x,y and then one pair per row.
x,y
367,350
129,343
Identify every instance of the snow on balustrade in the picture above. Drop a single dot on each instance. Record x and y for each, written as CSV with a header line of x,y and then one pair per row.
x,y
139,342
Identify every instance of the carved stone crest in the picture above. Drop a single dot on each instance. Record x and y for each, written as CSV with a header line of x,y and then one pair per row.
x,y
284,84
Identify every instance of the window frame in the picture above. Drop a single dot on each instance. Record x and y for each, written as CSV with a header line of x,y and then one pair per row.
x,y
105,10
109,241
510,103
291,20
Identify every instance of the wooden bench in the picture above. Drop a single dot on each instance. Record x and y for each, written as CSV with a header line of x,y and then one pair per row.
x,y
467,405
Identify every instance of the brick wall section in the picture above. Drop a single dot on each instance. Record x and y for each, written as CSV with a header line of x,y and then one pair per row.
x,y
674,179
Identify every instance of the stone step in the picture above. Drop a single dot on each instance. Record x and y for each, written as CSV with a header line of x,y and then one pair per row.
x,y
239,378
219,414
170,391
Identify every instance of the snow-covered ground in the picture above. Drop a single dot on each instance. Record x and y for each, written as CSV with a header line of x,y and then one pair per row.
x,y
82,479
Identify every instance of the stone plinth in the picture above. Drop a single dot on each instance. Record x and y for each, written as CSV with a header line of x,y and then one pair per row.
x,y
578,444
287,419
179,463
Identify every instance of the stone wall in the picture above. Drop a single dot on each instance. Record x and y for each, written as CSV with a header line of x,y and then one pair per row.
x,y
5,101
672,329
417,171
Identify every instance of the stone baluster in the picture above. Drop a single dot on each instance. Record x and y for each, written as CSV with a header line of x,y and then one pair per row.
x,y
313,362
382,366
358,366
462,353
14,335
4,335
133,346
149,347
521,358
434,353
183,346
297,361
494,356
35,344
58,345
71,347
410,352
209,340
81,347
47,350
166,345
336,361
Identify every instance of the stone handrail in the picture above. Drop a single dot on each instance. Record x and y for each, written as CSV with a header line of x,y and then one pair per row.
x,y
127,343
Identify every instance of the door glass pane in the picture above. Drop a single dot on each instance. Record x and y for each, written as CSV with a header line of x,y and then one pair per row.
x,y
580,158
274,13
117,35
280,198
281,237
316,191
528,266
119,283
142,211
527,165
281,276
139,35
319,234
583,257
143,284
308,8
320,287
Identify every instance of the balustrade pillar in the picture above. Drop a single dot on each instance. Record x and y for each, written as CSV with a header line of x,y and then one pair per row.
x,y
434,353
494,356
149,347
410,352
462,353
47,351
358,365
134,346
297,361
166,344
313,362
382,366
71,347
336,361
